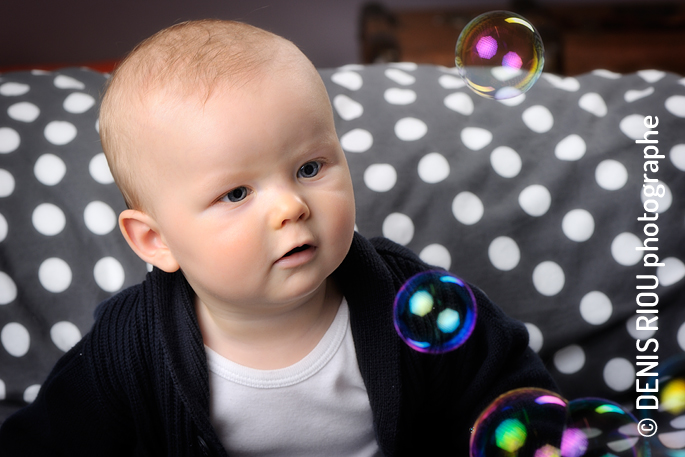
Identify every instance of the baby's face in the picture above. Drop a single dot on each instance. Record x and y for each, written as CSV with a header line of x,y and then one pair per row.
x,y
251,191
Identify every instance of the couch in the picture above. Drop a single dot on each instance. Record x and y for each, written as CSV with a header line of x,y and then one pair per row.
x,y
535,200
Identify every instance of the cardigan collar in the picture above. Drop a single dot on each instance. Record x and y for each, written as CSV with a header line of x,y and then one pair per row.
x,y
369,288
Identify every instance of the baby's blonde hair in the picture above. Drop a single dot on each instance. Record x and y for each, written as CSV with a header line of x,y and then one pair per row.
x,y
190,58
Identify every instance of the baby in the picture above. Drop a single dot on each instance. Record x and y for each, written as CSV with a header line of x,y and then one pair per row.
x,y
265,327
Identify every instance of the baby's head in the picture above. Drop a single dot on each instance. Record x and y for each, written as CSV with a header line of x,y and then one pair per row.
x,y
221,138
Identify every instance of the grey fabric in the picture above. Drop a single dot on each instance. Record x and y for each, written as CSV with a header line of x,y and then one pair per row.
x,y
583,350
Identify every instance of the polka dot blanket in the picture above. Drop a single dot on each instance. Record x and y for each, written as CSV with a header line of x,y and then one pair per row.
x,y
536,200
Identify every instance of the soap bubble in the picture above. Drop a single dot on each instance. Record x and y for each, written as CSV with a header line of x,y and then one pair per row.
x,y
598,428
499,55
670,414
527,422
434,312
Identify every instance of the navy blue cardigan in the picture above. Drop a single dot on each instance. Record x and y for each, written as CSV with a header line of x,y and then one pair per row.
x,y
137,384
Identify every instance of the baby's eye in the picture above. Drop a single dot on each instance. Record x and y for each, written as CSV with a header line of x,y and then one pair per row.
x,y
236,195
309,169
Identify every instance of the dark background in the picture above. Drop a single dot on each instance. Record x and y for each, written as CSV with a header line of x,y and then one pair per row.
x,y
73,32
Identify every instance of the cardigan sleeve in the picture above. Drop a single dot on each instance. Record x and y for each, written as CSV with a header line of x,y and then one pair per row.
x,y
443,394
69,417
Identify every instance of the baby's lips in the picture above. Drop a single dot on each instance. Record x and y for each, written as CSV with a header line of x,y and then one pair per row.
x,y
298,248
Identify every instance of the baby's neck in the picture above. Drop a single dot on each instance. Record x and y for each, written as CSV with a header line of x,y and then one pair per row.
x,y
273,341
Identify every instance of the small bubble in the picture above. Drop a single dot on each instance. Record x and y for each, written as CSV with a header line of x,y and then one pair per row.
x,y
435,312
598,427
521,422
499,55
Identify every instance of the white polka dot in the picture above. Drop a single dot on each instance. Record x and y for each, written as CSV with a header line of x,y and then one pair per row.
x,y
150,267
611,174
504,253
409,66
436,254
568,84
548,278
399,76
109,274
502,74
99,218
99,169
467,208
15,339
633,126
39,72
593,103
433,168
3,390
619,374
351,67
672,271
9,140
65,335
55,275
60,132
396,96
451,82
595,308
97,125
505,161
677,156
538,118
13,89
513,101
380,177
348,79
78,102
475,138
665,201
634,332
675,105
459,102
535,338
357,140
49,169
535,200
572,147
410,129
31,393
606,74
67,82
578,225
570,359
6,183
681,336
3,228
623,249
48,219
8,290
398,228
23,112
651,76
347,108
633,95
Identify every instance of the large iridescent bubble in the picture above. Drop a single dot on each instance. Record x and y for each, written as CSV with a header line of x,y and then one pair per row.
x,y
435,312
499,55
527,422
598,428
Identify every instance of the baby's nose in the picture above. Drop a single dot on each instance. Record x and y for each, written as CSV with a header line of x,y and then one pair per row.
x,y
287,206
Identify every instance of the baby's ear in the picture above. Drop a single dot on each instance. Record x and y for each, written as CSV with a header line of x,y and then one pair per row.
x,y
143,235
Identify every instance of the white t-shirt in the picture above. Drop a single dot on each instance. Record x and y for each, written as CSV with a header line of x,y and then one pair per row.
x,y
316,407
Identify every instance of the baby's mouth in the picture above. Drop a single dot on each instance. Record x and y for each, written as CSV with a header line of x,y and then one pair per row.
x,y
304,247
